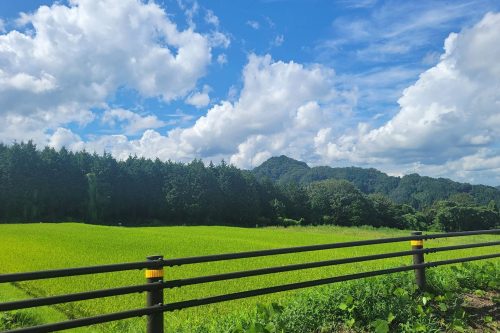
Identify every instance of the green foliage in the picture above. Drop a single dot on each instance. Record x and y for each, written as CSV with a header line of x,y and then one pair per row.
x,y
17,319
474,277
285,222
419,192
341,201
384,304
295,199
51,246
451,216
282,169
49,185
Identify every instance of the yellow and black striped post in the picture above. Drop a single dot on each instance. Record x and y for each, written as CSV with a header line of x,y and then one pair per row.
x,y
418,258
155,296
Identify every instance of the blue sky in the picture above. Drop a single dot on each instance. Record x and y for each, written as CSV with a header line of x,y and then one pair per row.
x,y
405,87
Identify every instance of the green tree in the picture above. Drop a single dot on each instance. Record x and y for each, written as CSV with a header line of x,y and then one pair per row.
x,y
340,202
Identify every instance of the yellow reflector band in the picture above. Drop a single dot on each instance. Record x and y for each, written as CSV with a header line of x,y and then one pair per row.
x,y
417,242
154,273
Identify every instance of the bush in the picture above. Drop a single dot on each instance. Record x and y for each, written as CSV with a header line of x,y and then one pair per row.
x,y
286,222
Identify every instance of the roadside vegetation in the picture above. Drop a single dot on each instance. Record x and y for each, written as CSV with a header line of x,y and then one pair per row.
x,y
464,298
27,247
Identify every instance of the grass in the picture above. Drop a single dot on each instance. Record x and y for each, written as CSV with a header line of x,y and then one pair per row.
x,y
28,317
29,247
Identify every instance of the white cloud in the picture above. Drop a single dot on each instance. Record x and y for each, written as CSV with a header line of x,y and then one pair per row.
x,y
64,137
270,22
449,117
130,122
216,38
26,82
219,39
253,24
150,145
397,29
482,167
2,26
191,9
279,110
431,58
377,87
199,99
77,56
222,59
394,38
278,40
20,127
211,18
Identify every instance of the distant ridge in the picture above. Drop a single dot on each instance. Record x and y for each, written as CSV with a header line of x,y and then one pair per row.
x,y
415,190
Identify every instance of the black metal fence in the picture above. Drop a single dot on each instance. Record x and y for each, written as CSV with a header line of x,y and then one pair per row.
x,y
155,285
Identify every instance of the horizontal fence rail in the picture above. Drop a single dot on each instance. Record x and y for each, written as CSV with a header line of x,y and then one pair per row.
x,y
252,254
271,270
156,286
55,273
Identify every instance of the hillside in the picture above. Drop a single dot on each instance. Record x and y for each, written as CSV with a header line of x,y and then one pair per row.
x,y
415,190
281,169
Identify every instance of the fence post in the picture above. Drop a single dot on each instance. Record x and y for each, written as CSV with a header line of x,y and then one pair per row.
x,y
154,297
418,258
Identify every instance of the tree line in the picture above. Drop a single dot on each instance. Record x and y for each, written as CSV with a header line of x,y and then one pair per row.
x,y
45,185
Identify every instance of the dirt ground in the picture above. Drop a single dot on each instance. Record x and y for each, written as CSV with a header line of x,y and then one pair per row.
x,y
484,310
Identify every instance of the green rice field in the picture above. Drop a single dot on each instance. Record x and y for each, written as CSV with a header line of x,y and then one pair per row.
x,y
31,247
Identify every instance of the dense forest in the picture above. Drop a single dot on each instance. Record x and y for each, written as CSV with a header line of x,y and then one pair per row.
x,y
414,190
49,186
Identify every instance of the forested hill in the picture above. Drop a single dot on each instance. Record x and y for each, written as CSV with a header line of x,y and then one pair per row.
x,y
414,190
48,185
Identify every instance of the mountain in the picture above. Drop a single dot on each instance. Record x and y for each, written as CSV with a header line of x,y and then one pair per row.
x,y
281,169
415,190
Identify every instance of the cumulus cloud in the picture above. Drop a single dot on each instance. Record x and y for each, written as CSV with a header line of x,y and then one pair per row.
x,y
280,108
447,124
73,58
449,115
199,99
130,122
64,137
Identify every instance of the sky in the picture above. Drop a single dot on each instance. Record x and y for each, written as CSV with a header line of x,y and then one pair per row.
x,y
402,86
